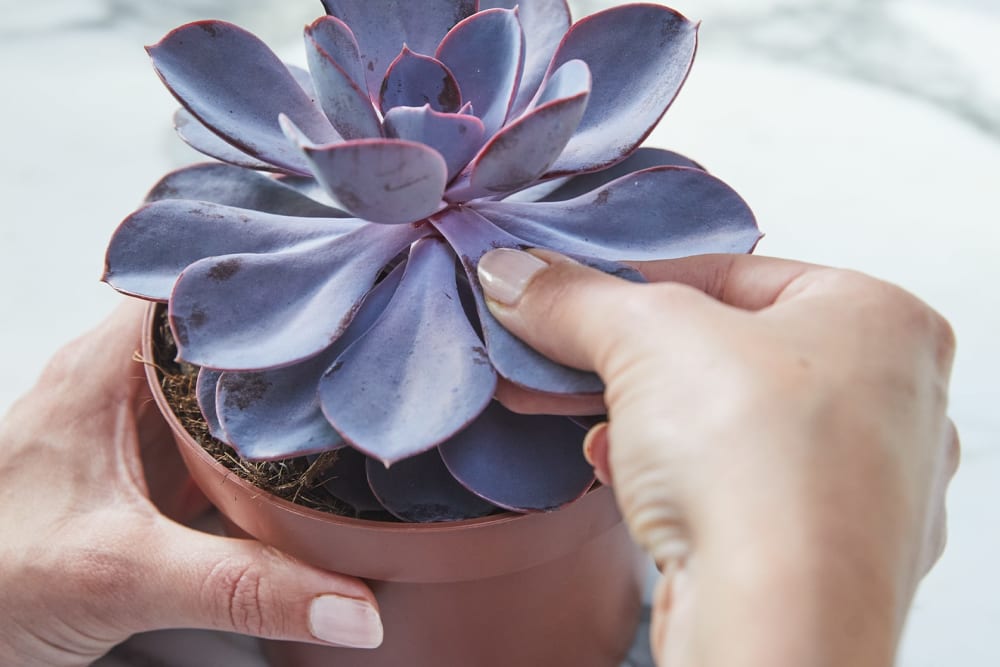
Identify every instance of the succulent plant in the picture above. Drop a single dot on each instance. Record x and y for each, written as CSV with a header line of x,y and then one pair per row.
x,y
323,275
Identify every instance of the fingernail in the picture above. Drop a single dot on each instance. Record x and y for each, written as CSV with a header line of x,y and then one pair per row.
x,y
505,273
345,622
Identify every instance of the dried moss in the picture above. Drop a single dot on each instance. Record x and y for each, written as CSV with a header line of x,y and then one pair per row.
x,y
297,480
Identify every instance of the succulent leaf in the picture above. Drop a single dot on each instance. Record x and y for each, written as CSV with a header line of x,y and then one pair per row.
x,y
472,236
419,375
390,181
335,65
524,150
639,56
657,213
348,481
421,490
199,137
336,39
304,79
252,312
544,22
524,463
194,133
205,386
414,80
457,137
151,248
275,414
240,188
485,53
644,157
383,26
233,83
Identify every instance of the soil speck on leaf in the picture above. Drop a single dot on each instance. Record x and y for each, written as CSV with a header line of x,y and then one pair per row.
x,y
245,389
181,332
198,318
481,356
225,269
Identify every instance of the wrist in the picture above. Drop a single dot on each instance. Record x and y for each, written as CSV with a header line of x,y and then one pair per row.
x,y
797,586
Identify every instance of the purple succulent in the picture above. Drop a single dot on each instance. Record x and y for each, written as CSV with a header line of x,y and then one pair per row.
x,y
335,302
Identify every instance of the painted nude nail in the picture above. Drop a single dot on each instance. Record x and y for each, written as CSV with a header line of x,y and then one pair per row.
x,y
345,622
505,273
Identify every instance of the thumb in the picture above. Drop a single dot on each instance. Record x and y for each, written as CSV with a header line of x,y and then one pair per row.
x,y
198,580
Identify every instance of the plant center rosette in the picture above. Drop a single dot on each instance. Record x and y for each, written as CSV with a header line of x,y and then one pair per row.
x,y
323,275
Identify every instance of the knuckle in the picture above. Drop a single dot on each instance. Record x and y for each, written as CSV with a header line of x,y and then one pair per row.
x,y
930,327
944,338
899,308
240,594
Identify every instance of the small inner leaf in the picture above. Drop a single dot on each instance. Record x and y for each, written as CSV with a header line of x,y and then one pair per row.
x,y
486,55
414,80
390,181
333,59
457,137
384,26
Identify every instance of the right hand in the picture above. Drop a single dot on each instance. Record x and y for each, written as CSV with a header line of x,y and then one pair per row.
x,y
777,440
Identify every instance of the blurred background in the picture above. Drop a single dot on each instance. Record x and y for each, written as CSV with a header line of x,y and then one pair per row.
x,y
864,133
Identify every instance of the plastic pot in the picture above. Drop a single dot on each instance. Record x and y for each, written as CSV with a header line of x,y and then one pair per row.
x,y
535,590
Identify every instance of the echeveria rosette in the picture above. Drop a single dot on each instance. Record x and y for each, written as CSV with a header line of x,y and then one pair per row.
x,y
333,302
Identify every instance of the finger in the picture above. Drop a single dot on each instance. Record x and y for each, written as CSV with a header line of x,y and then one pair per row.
x,y
197,580
595,450
574,314
749,282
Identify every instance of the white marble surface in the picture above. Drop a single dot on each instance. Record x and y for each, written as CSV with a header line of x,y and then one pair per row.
x,y
865,133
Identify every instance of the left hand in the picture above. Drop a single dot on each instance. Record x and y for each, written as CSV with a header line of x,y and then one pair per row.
x,y
93,496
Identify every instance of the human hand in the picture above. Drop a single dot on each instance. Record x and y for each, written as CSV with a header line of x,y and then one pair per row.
x,y
777,440
87,559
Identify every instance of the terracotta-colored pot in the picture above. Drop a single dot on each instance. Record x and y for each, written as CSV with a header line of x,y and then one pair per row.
x,y
508,590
